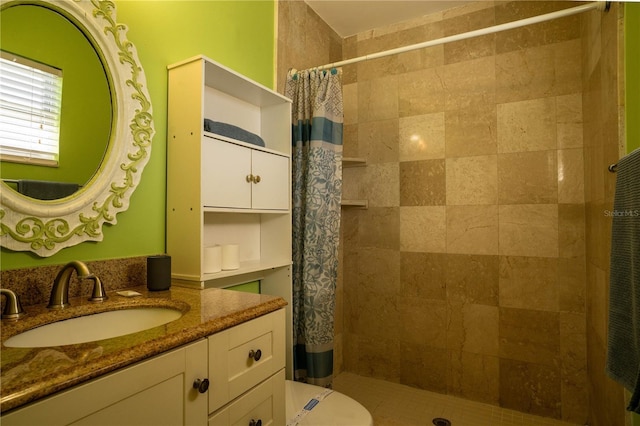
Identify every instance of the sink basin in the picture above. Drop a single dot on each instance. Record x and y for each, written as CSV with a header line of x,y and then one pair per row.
x,y
90,328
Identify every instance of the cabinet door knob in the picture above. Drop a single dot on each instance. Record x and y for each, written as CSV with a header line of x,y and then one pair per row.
x,y
249,178
201,385
256,355
256,179
255,422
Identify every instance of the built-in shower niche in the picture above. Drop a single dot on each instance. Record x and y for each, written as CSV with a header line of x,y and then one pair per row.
x,y
352,198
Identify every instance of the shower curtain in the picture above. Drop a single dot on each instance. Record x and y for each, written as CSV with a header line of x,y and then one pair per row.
x,y
317,118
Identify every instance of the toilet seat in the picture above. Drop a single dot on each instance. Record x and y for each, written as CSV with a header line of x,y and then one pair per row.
x,y
330,408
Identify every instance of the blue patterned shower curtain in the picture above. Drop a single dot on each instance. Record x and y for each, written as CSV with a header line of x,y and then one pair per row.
x,y
317,118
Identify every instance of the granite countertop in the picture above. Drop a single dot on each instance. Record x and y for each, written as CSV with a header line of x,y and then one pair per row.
x,y
28,374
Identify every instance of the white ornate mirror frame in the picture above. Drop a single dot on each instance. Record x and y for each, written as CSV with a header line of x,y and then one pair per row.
x,y
46,227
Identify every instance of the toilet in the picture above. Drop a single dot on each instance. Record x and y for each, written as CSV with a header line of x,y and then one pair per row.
x,y
311,405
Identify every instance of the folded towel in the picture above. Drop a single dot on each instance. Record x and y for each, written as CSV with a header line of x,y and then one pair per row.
x,y
231,131
46,190
623,349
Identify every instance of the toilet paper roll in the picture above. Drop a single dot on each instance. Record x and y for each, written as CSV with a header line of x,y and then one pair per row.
x,y
230,258
212,259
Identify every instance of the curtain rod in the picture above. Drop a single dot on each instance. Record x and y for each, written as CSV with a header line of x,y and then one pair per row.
x,y
596,5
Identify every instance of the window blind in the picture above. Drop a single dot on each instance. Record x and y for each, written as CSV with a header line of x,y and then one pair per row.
x,y
30,108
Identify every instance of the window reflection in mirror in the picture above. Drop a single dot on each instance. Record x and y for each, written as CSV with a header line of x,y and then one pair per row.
x,y
30,106
45,36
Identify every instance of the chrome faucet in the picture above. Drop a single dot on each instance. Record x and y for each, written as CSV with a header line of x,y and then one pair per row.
x,y
12,308
60,292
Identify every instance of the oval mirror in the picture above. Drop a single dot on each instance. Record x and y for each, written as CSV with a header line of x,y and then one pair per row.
x,y
45,227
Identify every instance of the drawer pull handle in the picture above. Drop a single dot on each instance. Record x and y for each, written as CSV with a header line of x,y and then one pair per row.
x,y
249,178
201,385
256,355
255,422
256,179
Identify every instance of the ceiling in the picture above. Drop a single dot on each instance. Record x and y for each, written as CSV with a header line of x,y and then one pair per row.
x,y
349,17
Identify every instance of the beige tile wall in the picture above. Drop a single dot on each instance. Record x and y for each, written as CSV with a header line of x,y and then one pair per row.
x,y
303,40
466,274
480,268
603,102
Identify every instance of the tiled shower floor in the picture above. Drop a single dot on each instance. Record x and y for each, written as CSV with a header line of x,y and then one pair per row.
x,y
392,404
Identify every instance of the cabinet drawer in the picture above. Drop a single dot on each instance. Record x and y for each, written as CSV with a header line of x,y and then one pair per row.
x,y
231,370
265,402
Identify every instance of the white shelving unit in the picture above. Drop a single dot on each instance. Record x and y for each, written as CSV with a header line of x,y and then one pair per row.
x,y
221,190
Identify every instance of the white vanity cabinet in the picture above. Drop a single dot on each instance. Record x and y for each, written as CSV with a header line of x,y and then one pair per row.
x,y
240,357
163,390
157,391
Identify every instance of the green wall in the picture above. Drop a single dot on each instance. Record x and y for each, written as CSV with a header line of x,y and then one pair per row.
x,y
238,34
250,287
